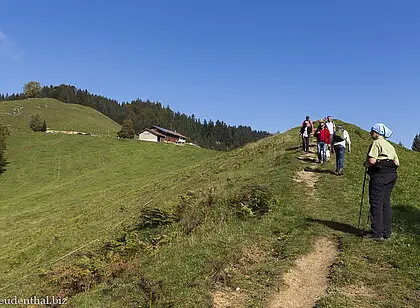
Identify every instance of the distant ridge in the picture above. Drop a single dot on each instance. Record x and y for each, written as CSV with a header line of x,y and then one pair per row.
x,y
145,114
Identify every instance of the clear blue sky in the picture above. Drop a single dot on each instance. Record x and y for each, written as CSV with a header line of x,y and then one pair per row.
x,y
266,64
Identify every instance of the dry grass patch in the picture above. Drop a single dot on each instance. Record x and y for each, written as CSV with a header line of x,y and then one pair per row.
x,y
226,297
360,294
230,294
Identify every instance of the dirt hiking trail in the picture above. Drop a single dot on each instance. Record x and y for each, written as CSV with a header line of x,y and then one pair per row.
x,y
308,179
308,280
304,284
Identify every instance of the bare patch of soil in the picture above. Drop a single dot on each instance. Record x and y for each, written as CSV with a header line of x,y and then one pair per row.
x,y
308,178
307,282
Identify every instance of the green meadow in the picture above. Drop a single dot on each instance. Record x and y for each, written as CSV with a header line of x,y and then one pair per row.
x,y
121,223
62,191
57,115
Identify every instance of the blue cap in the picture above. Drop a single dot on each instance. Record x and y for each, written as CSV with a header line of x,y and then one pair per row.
x,y
382,130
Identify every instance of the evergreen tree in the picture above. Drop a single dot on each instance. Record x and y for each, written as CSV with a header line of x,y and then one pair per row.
x,y
32,89
44,127
127,130
416,143
36,123
3,133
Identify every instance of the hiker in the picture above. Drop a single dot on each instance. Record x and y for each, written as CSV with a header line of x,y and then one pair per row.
x,y
306,131
322,135
331,127
339,139
382,163
308,119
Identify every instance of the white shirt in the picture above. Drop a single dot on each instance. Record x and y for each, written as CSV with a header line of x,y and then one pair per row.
x,y
330,126
305,132
346,137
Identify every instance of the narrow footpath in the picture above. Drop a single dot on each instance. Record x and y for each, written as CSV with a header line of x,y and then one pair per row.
x,y
307,281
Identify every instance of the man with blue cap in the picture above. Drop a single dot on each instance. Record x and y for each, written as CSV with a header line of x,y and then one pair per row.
x,y
382,163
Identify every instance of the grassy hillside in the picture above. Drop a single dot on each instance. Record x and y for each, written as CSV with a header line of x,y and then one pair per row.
x,y
61,191
57,115
176,225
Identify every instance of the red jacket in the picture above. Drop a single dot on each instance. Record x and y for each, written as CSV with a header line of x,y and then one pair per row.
x,y
323,135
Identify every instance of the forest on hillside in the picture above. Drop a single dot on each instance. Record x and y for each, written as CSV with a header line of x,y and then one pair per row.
x,y
145,114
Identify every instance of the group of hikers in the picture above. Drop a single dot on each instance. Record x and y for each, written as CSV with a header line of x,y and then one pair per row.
x,y
381,165
330,139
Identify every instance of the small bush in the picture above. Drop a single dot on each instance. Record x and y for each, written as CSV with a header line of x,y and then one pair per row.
x,y
36,123
127,130
152,218
85,272
79,277
194,209
252,201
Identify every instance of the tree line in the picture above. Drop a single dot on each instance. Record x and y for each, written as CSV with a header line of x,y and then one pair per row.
x,y
144,114
3,133
416,143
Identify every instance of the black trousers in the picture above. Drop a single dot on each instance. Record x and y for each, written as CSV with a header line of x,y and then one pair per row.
x,y
305,141
380,188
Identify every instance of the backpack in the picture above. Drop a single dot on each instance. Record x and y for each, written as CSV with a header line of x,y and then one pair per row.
x,y
338,134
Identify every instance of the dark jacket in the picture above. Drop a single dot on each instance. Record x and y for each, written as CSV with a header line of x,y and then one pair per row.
x,y
302,130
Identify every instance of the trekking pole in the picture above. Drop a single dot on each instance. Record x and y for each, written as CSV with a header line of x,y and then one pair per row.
x,y
361,201
368,218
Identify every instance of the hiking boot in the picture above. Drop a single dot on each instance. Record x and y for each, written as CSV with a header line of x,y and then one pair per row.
x,y
373,237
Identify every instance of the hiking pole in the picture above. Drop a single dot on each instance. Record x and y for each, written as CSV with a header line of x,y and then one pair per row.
x,y
361,201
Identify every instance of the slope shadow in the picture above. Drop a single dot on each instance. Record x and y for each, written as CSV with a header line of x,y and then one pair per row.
x,y
307,159
339,226
3,168
307,169
300,147
406,218
294,148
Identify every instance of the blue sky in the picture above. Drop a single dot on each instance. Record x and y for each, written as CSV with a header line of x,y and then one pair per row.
x,y
266,64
